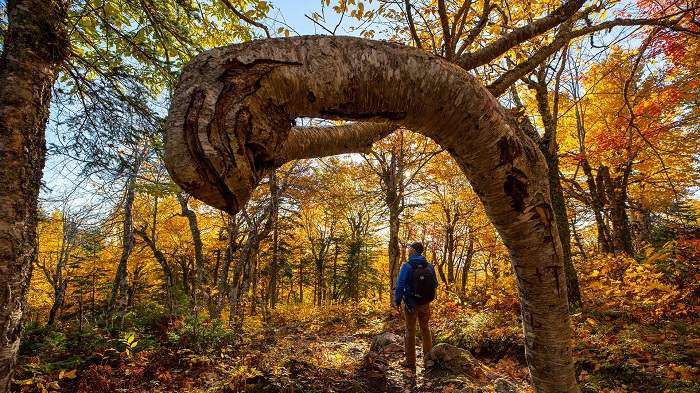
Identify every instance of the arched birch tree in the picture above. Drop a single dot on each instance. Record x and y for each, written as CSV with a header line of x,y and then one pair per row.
x,y
231,116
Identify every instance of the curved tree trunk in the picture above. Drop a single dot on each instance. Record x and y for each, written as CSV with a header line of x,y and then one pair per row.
x,y
33,46
234,107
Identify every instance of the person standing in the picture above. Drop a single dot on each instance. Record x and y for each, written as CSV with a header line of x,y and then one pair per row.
x,y
416,288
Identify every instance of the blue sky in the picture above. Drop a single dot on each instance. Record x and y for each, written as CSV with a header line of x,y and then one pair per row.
x,y
292,13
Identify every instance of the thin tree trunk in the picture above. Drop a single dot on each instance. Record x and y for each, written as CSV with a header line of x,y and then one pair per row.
x,y
249,92
59,296
120,287
223,281
559,208
274,216
579,241
597,207
200,265
616,192
34,45
550,149
167,270
440,267
394,262
334,295
467,265
450,250
301,283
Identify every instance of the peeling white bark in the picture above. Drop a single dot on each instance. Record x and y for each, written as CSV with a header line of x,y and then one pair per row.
x,y
315,142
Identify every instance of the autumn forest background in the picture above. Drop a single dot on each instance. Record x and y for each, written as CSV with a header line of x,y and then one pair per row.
x,y
138,286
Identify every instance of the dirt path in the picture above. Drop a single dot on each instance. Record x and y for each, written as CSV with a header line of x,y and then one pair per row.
x,y
340,359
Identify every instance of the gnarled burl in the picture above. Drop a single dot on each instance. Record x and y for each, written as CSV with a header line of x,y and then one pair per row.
x,y
231,120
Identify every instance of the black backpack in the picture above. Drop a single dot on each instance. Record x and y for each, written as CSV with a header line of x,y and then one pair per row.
x,y
422,283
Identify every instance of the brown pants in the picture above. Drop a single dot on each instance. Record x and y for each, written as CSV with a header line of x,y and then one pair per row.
x,y
422,314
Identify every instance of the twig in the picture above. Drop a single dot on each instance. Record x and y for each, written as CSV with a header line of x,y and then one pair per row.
x,y
248,20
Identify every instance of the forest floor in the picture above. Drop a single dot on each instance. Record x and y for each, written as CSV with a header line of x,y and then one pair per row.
x,y
334,349
318,350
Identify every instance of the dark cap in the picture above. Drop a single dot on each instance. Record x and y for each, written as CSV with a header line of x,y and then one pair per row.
x,y
417,246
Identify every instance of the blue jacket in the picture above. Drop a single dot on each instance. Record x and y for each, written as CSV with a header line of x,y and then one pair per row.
x,y
403,289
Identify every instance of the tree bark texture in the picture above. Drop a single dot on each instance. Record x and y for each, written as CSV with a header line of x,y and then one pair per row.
x,y
34,45
550,150
234,107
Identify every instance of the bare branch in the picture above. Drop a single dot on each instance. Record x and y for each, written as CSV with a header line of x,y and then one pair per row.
x,y
517,36
245,18
474,32
411,25
444,22
318,24
500,85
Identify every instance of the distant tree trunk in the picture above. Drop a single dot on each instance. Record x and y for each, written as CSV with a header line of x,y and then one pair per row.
x,y
579,241
80,311
232,111
185,269
59,294
217,302
274,216
550,149
440,266
57,278
254,285
301,283
616,192
244,270
467,265
34,44
167,270
641,223
394,262
604,241
321,280
200,264
120,287
334,295
450,244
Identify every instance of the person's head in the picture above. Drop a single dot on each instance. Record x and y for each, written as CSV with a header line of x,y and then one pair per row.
x,y
415,248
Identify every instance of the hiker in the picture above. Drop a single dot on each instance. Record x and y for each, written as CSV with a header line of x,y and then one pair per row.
x,y
416,287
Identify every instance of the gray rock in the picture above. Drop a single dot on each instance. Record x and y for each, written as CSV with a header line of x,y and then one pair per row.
x,y
384,341
504,385
456,360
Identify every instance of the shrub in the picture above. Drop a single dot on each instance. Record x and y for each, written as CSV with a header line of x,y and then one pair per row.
x,y
202,336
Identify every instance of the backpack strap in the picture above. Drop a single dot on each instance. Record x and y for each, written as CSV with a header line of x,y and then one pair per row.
x,y
415,264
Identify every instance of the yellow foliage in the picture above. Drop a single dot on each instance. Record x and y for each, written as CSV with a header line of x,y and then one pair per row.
x,y
639,288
